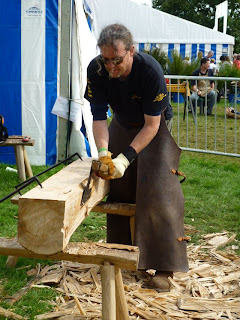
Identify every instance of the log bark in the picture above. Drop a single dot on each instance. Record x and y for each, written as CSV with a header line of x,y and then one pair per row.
x,y
90,253
48,216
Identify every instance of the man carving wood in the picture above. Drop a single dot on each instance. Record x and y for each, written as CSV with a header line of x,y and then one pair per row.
x,y
143,152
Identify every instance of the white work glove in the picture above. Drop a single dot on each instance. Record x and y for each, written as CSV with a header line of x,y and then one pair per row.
x,y
120,163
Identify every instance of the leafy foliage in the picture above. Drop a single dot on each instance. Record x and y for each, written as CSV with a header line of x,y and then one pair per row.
x,y
176,65
228,70
203,12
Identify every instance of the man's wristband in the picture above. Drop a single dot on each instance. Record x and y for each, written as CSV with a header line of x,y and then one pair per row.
x,y
102,149
130,154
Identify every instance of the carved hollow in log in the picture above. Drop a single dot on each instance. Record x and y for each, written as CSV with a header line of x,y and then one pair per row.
x,y
48,216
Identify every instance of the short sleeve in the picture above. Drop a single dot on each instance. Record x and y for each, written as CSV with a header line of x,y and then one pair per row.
x,y
95,91
155,97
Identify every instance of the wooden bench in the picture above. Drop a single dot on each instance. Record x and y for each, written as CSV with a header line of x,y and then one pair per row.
x,y
22,162
183,88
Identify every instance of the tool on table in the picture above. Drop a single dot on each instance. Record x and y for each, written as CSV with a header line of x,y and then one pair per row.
x,y
96,165
25,139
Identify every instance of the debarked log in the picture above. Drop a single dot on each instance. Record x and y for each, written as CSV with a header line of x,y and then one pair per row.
x,y
48,216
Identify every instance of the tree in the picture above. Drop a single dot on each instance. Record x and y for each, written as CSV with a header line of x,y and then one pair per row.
x,y
203,12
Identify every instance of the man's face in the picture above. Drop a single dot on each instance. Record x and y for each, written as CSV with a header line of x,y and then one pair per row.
x,y
206,65
112,56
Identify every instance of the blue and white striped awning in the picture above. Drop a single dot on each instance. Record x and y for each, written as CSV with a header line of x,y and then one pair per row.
x,y
187,49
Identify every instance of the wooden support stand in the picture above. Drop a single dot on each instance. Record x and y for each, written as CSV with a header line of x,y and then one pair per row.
x,y
111,257
22,162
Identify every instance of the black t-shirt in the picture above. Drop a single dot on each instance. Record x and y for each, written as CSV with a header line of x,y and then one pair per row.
x,y
144,91
209,73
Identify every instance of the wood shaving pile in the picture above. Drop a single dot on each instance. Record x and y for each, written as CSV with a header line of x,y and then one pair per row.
x,y
210,290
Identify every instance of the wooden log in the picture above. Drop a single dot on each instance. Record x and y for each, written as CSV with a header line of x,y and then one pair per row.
x,y
121,303
48,216
90,253
108,292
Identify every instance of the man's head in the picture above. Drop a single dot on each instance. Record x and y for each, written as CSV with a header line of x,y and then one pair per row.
x,y
210,54
205,64
116,45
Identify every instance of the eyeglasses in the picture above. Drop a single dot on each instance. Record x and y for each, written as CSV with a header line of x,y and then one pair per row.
x,y
114,61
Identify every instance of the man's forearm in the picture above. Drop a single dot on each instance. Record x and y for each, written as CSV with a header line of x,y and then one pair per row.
x,y
100,133
146,134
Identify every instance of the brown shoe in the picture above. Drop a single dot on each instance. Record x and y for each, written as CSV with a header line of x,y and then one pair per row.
x,y
160,281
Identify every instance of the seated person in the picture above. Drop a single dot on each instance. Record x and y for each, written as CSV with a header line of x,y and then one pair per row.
x,y
199,87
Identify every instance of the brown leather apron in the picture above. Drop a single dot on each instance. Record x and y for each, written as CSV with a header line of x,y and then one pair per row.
x,y
157,192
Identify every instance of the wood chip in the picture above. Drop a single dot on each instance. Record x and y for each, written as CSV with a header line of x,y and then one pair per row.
x,y
9,314
209,290
204,305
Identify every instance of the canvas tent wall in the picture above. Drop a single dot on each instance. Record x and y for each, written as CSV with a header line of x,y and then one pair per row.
x,y
154,28
30,31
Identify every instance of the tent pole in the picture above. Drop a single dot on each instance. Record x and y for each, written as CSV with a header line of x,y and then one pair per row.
x,y
69,80
64,90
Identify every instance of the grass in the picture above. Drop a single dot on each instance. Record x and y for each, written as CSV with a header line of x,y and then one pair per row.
x,y
212,194
212,204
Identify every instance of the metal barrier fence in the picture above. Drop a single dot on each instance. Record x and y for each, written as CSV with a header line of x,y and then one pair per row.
x,y
194,129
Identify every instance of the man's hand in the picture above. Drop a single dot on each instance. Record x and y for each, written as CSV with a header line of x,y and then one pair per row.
x,y
120,163
107,167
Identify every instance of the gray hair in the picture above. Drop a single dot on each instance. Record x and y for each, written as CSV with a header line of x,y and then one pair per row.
x,y
111,34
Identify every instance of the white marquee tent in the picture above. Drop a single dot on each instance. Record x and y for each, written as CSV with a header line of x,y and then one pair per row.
x,y
151,27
